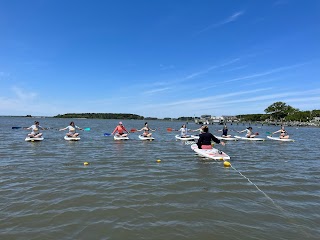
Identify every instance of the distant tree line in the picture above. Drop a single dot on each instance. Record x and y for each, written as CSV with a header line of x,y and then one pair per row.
x,y
280,111
101,116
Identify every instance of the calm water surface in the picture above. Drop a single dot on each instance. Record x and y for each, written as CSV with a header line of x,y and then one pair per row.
x,y
272,190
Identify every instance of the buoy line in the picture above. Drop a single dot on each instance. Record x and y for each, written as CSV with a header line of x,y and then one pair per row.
x,y
276,205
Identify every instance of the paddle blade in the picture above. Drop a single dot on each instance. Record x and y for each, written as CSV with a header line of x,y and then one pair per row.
x,y
133,130
86,129
169,129
16,127
107,134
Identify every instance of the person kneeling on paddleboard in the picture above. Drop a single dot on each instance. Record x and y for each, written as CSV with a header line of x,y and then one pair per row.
x,y
120,130
205,138
72,130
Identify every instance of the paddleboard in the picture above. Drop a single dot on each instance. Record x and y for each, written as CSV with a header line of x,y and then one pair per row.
x,y
146,138
188,138
227,138
32,139
249,139
118,137
195,136
71,138
281,139
213,153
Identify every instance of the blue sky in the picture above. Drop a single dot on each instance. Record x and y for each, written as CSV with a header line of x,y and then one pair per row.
x,y
161,58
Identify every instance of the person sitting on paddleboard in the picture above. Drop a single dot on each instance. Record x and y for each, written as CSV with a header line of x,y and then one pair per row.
x,y
35,130
249,134
184,131
119,130
146,130
72,130
283,133
205,138
225,132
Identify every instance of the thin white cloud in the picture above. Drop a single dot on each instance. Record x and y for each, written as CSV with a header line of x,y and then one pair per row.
x,y
265,73
235,68
229,19
209,99
257,75
242,102
166,67
23,95
153,91
196,74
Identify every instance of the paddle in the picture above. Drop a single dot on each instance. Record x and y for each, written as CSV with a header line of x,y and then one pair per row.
x,y
171,129
107,134
86,129
133,130
27,127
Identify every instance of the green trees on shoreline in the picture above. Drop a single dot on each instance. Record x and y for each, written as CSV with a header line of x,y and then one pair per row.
x,y
278,111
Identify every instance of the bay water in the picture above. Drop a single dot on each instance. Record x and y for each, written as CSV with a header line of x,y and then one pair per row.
x,y
272,190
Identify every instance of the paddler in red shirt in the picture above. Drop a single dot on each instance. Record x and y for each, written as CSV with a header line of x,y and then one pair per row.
x,y
119,130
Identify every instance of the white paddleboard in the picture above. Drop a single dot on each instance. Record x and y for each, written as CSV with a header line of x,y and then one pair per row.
x,y
227,138
249,139
32,139
118,137
146,138
213,153
281,139
188,138
71,138
195,136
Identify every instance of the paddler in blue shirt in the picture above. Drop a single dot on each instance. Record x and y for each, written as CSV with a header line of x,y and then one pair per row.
x,y
225,132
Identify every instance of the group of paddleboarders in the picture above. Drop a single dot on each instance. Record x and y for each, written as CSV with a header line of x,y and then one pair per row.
x,y
120,130
35,130
204,135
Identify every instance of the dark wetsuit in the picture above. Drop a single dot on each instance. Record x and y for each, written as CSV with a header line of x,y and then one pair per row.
x,y
225,132
205,139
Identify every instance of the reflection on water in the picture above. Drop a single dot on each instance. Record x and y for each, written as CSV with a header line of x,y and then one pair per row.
x,y
48,193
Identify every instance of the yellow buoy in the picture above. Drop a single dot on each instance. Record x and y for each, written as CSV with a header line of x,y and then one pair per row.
x,y
85,163
158,160
226,164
